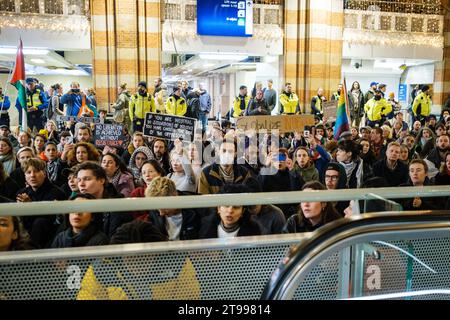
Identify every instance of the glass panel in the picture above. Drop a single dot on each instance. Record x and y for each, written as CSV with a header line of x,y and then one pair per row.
x,y
54,6
7,5
29,6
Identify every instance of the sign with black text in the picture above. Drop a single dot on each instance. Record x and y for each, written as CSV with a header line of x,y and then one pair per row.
x,y
76,119
283,123
169,127
109,135
330,109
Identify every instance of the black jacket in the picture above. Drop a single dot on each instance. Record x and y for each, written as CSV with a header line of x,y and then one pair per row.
x,y
208,230
297,223
189,228
91,236
42,229
427,203
113,220
435,158
19,177
394,177
9,189
282,181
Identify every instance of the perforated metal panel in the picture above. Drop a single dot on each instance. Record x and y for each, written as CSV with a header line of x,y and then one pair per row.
x,y
239,273
322,283
385,268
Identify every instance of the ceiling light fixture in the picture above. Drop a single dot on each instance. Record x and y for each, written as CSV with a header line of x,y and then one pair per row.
x,y
222,56
31,52
37,61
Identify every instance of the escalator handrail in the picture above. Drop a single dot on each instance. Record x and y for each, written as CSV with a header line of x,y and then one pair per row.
x,y
339,230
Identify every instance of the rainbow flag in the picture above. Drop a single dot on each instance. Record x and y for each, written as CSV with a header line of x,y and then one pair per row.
x,y
342,114
18,81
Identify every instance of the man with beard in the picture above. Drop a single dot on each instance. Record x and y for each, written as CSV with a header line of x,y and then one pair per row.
x,y
437,156
161,155
316,103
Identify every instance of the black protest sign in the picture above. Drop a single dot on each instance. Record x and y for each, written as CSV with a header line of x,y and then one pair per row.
x,y
169,127
109,135
81,119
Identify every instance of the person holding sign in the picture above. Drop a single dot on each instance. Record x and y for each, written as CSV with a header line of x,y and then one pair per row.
x,y
141,103
289,101
176,105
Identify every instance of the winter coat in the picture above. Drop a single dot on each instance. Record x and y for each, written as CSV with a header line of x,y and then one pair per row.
x,y
254,104
394,177
19,177
90,236
309,173
9,188
297,223
248,227
427,203
112,221
211,181
189,228
271,219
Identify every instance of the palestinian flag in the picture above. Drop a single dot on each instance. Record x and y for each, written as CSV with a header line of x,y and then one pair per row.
x,y
18,77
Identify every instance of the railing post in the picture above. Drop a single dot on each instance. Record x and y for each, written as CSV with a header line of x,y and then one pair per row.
x,y
17,6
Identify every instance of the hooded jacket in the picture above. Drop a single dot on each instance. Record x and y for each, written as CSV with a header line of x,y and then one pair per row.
x,y
132,163
340,206
310,173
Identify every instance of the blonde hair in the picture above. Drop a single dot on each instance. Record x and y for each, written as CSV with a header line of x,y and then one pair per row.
x,y
161,187
387,128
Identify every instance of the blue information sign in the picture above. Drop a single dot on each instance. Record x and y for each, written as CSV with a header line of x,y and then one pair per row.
x,y
233,18
402,92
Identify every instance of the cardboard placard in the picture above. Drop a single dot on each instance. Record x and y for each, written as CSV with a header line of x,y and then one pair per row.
x,y
76,119
109,135
330,109
283,123
169,127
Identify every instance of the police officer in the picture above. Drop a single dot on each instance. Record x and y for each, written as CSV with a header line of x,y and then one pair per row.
x,y
336,95
422,105
316,103
36,104
289,101
141,103
4,108
241,103
377,109
176,105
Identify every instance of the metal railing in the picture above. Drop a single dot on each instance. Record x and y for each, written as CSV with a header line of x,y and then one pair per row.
x,y
265,12
387,256
397,6
47,7
207,201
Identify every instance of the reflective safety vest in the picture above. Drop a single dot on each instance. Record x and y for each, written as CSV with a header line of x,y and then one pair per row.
x,y
375,110
176,107
318,104
34,98
422,105
289,103
140,105
237,111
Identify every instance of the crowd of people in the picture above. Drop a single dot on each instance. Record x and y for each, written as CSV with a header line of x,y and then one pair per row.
x,y
60,161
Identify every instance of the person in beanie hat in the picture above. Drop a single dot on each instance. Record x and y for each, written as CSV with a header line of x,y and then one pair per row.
x,y
371,93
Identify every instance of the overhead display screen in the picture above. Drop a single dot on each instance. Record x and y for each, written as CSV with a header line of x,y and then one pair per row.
x,y
231,18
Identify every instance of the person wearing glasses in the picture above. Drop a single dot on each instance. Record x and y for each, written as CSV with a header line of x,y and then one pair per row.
x,y
335,179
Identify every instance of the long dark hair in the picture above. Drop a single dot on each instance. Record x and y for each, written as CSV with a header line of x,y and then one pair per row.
x,y
119,162
329,213
97,218
23,241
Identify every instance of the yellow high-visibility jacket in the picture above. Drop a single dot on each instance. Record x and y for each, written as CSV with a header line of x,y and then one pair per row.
x,y
140,105
176,107
375,110
237,112
289,103
422,105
